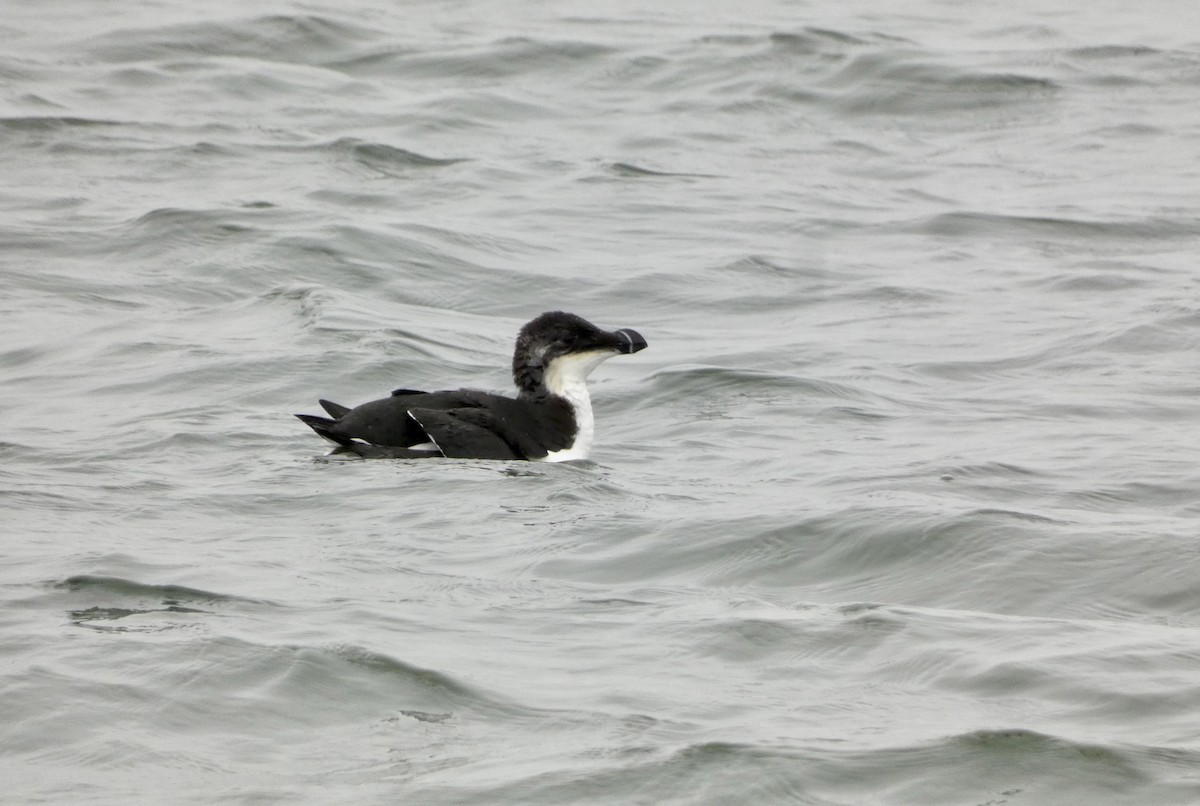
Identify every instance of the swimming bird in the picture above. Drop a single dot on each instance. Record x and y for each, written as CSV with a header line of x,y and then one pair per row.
x,y
550,419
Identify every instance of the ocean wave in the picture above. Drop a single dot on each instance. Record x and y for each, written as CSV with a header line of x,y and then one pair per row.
x,y
489,61
976,224
898,84
287,38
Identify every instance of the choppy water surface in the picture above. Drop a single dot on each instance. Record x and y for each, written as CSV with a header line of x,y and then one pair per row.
x,y
901,505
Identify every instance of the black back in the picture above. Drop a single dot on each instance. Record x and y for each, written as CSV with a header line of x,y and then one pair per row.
x,y
463,424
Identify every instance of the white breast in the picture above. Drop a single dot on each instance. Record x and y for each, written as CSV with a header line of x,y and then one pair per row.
x,y
566,376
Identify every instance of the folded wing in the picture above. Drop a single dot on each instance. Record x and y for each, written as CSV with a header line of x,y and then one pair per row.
x,y
462,424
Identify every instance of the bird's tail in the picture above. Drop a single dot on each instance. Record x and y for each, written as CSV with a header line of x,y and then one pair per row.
x,y
324,427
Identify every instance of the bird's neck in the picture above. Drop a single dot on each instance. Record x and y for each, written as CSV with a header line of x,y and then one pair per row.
x,y
565,378
571,386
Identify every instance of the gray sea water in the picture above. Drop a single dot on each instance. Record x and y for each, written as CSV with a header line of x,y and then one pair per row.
x,y
901,505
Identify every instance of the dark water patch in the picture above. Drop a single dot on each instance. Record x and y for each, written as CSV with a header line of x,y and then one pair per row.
x,y
1017,764
422,270
44,124
990,767
23,356
743,69
1099,283
629,68
989,513
989,368
307,39
385,158
700,380
159,148
477,242
855,545
375,257
17,71
168,229
9,450
616,604
1134,686
737,40
425,716
986,767
210,693
976,558
116,586
977,224
124,599
134,440
894,294
1111,82
990,470
319,307
813,40
98,618
630,171
894,83
860,148
640,774
176,218
1028,743
93,300
762,266
353,147
371,60
351,683
25,204
45,501
857,413
1083,664
57,134
762,283
552,52
142,77
502,59
486,110
1151,339
1141,494
204,148
733,62
344,198
444,687
1108,52
758,639
1122,66
1128,130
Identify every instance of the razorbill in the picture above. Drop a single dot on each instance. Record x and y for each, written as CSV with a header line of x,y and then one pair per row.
x,y
550,420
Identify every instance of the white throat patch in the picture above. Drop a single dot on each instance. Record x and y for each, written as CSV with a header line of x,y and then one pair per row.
x,y
566,376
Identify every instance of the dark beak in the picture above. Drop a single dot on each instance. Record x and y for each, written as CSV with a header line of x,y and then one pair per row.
x,y
629,341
